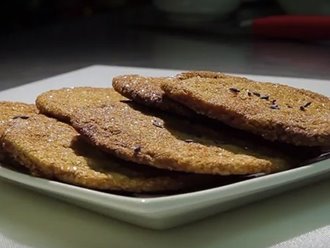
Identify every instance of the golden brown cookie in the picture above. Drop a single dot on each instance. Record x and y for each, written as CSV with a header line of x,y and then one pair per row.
x,y
134,134
147,91
12,110
55,150
61,103
203,74
275,112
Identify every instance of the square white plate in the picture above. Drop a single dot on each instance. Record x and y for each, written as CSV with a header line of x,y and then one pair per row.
x,y
167,211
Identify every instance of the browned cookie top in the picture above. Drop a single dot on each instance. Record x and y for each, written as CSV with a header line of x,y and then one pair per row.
x,y
12,110
273,111
147,91
137,135
61,103
203,74
55,150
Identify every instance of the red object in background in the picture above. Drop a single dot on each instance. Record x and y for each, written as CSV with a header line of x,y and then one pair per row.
x,y
293,27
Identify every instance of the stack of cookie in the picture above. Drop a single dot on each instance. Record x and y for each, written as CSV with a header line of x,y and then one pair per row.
x,y
164,134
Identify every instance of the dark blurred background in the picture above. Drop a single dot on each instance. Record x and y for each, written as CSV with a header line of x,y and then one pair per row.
x,y
24,14
41,38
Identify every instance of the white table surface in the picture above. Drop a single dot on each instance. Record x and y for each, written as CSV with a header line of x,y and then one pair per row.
x,y
30,219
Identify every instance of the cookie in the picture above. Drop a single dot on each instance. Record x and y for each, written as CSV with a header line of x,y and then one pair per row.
x,y
12,110
147,91
61,103
138,135
56,151
274,111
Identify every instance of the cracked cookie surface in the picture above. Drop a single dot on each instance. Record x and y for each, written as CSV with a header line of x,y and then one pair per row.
x,y
12,110
274,111
63,102
147,91
56,151
136,134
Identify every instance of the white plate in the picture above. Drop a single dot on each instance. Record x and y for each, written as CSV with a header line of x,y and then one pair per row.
x,y
167,211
